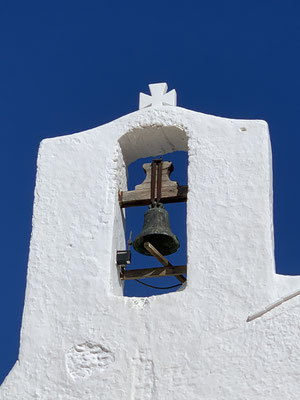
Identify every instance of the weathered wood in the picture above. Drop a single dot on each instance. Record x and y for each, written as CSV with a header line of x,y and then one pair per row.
x,y
157,272
167,168
134,198
171,192
181,278
155,253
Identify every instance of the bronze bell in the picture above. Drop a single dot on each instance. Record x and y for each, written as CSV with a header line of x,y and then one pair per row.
x,y
156,230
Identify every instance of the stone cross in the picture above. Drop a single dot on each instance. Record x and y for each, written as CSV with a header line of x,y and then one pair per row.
x,y
159,96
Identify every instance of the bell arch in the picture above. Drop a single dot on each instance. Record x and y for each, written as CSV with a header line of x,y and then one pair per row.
x,y
150,141
140,143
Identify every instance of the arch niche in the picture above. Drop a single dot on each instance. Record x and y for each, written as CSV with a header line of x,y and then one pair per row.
x,y
137,143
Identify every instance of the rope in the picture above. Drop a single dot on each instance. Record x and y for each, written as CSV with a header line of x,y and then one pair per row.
x,y
156,287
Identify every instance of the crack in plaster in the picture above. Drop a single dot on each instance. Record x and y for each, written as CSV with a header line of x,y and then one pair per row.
x,y
143,377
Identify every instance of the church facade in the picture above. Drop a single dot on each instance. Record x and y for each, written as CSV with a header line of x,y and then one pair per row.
x,y
215,339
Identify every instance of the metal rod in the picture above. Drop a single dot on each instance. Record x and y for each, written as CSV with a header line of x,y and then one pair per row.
x,y
159,178
153,181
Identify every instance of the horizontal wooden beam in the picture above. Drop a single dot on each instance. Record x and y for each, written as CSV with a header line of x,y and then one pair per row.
x,y
157,272
143,197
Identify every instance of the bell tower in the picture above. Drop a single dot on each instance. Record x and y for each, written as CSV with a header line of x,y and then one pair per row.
x,y
233,332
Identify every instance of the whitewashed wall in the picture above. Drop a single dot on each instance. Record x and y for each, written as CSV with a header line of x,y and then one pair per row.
x,y
81,339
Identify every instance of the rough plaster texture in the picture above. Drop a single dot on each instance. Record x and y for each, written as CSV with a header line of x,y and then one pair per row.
x,y
81,339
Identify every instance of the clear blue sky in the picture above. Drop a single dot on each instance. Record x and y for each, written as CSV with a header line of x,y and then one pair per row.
x,y
67,66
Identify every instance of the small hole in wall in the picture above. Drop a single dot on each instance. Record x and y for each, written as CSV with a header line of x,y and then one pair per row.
x,y
243,129
134,223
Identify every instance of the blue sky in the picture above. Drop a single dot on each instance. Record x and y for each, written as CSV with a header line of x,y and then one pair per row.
x,y
67,66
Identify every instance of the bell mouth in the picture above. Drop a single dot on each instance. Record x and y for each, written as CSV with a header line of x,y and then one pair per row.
x,y
164,243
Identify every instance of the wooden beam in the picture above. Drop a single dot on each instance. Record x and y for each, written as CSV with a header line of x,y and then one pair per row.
x,y
155,253
157,272
142,197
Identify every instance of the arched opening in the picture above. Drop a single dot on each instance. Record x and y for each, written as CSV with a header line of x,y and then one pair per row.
x,y
139,146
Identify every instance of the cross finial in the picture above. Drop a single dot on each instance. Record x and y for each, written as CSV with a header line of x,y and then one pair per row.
x,y
159,96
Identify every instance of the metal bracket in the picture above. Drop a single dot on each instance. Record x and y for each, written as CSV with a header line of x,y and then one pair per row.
x,y
123,257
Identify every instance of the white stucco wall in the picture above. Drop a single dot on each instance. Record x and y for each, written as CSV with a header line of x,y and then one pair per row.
x,y
81,339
